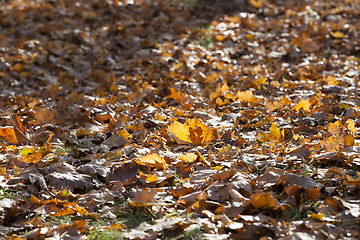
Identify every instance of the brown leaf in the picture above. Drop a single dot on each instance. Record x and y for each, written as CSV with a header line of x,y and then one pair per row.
x,y
143,198
70,181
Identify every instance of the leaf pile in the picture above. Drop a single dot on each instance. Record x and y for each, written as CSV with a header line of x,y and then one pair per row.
x,y
209,119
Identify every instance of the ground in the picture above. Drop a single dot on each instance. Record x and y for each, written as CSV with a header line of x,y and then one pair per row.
x,y
193,119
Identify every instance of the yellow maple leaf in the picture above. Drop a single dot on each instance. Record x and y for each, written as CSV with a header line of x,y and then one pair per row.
x,y
193,131
152,160
245,96
202,134
330,80
337,34
188,158
148,178
303,104
335,128
175,95
8,134
124,133
274,132
350,124
179,132
274,135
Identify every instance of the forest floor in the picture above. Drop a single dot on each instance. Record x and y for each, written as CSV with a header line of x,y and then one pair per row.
x,y
193,119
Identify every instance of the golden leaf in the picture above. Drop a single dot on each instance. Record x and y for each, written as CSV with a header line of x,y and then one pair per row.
x,y
179,132
245,96
188,158
337,34
264,201
177,65
317,216
147,178
350,124
220,38
330,80
32,157
256,3
349,140
8,135
212,78
192,132
303,104
152,160
201,134
124,133
274,135
274,132
175,95
335,128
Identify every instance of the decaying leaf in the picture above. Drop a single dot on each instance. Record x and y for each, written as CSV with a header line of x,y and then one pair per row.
x,y
143,198
70,181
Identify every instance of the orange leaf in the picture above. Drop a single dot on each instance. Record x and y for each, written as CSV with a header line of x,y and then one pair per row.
x,y
18,67
196,135
19,125
8,135
152,160
63,212
220,38
337,34
200,206
201,134
175,95
34,200
256,3
81,210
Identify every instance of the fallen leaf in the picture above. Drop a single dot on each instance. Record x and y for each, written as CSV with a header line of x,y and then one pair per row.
x,y
192,131
152,160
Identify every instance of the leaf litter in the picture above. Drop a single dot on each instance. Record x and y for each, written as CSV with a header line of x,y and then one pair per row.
x,y
179,119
